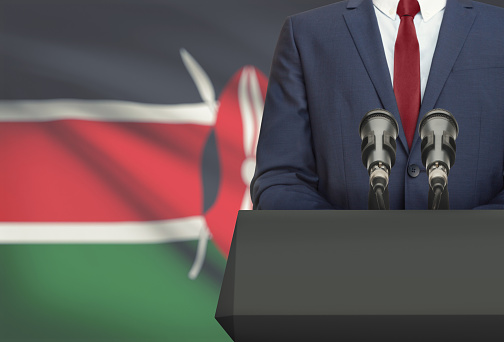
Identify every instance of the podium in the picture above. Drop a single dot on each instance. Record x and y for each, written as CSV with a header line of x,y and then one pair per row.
x,y
402,276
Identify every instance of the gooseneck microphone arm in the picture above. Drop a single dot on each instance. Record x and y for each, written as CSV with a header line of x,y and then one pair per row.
x,y
378,130
438,180
438,130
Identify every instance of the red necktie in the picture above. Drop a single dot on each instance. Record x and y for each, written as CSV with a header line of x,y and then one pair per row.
x,y
407,68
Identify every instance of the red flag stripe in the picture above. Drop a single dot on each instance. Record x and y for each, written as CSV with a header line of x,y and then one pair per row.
x,y
86,171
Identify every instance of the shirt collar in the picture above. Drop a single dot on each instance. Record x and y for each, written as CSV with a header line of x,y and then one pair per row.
x,y
428,8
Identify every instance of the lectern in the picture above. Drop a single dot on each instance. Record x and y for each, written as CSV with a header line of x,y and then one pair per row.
x,y
402,276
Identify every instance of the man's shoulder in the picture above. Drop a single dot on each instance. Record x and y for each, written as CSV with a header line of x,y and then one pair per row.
x,y
319,21
489,18
489,10
485,6
328,12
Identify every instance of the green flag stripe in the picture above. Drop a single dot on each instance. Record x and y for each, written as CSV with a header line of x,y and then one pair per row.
x,y
108,292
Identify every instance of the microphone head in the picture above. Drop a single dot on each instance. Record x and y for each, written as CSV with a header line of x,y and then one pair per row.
x,y
378,130
440,120
378,118
438,130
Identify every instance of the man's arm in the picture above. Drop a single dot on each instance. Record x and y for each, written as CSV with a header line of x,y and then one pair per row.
x,y
496,203
286,175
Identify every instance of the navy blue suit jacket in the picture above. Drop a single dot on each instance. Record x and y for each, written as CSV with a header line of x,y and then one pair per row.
x,y
329,69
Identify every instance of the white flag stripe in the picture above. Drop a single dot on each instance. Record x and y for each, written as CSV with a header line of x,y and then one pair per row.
x,y
246,111
258,104
246,201
183,229
200,78
105,110
200,253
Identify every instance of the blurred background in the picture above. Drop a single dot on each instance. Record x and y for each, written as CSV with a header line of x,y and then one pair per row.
x,y
127,139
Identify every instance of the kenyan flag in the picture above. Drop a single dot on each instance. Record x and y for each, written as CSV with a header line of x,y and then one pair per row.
x,y
127,141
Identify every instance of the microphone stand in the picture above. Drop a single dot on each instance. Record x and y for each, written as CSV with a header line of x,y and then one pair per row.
x,y
378,196
438,200
378,200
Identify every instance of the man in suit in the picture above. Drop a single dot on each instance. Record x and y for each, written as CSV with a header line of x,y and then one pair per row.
x,y
333,64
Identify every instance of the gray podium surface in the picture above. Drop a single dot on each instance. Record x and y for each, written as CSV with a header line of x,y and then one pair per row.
x,y
365,276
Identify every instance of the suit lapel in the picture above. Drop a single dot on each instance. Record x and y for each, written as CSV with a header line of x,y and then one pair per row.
x,y
457,22
361,20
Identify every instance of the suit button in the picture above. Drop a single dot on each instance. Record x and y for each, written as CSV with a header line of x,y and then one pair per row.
x,y
413,170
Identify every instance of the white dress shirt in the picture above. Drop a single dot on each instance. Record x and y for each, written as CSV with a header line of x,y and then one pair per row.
x,y
427,24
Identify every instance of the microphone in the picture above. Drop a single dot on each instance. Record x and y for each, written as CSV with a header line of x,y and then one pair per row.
x,y
378,130
438,130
